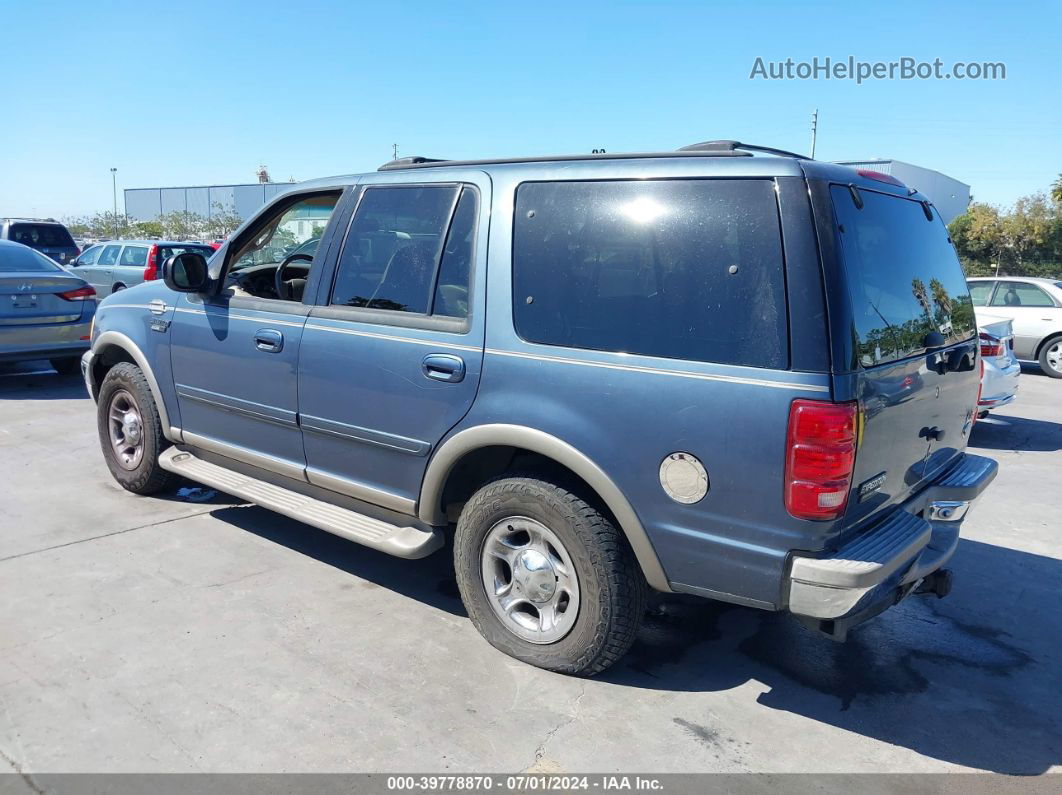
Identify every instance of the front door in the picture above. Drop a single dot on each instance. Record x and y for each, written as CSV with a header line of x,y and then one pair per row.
x,y
391,357
235,354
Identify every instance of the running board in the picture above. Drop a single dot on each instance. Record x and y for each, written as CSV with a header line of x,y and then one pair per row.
x,y
402,542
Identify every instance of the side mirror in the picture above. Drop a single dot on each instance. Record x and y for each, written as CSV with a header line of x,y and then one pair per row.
x,y
186,273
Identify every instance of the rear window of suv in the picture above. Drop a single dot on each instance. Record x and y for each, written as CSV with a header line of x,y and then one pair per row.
x,y
905,279
37,235
681,269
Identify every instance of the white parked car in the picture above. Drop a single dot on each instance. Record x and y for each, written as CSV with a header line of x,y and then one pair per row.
x,y
999,379
1035,306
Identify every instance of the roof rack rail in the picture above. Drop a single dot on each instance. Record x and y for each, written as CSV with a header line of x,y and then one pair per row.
x,y
405,162
734,146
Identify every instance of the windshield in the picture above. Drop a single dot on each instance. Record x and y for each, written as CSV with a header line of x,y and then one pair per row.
x,y
18,259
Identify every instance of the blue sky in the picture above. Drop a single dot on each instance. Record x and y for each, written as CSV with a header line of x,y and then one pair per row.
x,y
189,93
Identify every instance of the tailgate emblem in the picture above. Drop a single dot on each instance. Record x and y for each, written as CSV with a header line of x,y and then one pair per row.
x,y
24,287
868,487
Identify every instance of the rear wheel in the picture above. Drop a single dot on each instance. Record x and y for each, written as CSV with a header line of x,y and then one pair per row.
x,y
130,431
1051,357
546,578
66,366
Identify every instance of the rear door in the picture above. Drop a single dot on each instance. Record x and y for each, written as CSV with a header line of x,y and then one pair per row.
x,y
130,268
915,337
391,357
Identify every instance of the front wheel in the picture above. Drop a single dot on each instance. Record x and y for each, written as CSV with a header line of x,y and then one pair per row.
x,y
546,577
1051,357
131,431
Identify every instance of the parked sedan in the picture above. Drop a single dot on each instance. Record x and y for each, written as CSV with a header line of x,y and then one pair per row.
x,y
45,312
117,264
1035,306
999,379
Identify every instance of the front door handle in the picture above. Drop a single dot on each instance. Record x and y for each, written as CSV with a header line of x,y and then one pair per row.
x,y
269,340
443,367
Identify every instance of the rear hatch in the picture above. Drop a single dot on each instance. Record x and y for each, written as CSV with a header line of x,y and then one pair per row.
x,y
51,239
914,333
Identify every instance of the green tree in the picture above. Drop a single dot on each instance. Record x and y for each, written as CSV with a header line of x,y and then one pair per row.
x,y
1056,190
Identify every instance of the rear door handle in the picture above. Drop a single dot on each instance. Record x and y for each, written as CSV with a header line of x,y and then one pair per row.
x,y
443,367
269,340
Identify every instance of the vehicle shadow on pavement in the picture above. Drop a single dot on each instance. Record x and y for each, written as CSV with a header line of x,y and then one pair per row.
x,y
1016,434
39,384
972,680
429,580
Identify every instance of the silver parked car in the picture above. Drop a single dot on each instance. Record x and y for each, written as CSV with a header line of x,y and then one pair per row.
x,y
999,378
45,311
117,264
1035,306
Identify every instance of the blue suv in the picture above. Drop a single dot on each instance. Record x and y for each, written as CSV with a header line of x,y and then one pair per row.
x,y
749,378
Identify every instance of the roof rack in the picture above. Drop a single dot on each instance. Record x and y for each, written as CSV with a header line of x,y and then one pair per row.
x,y
406,162
734,146
704,149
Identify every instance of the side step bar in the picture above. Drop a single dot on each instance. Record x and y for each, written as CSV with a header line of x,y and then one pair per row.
x,y
402,542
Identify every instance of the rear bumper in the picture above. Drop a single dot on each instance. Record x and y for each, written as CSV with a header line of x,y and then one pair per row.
x,y
999,383
45,341
888,561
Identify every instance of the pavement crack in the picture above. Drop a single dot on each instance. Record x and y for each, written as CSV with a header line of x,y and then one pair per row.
x,y
540,751
225,583
104,535
26,777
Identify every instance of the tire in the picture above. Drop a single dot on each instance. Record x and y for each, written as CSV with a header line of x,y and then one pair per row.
x,y
66,366
605,598
136,467
1052,349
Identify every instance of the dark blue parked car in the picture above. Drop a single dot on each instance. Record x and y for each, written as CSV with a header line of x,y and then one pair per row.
x,y
746,378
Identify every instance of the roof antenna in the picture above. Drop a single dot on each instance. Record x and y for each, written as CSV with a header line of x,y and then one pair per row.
x,y
394,151
814,130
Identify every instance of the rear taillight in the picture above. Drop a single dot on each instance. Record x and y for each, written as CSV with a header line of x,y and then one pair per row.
x,y
151,272
80,294
820,455
990,346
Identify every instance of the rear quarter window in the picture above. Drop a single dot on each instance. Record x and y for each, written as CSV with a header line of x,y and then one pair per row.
x,y
905,280
681,269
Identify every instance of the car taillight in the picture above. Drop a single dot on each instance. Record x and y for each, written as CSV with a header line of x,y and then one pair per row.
x,y
990,346
151,272
820,456
80,294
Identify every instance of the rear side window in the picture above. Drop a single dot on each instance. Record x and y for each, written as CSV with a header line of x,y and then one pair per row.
x,y
134,255
681,269
980,291
41,235
109,255
907,287
409,249
1020,294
